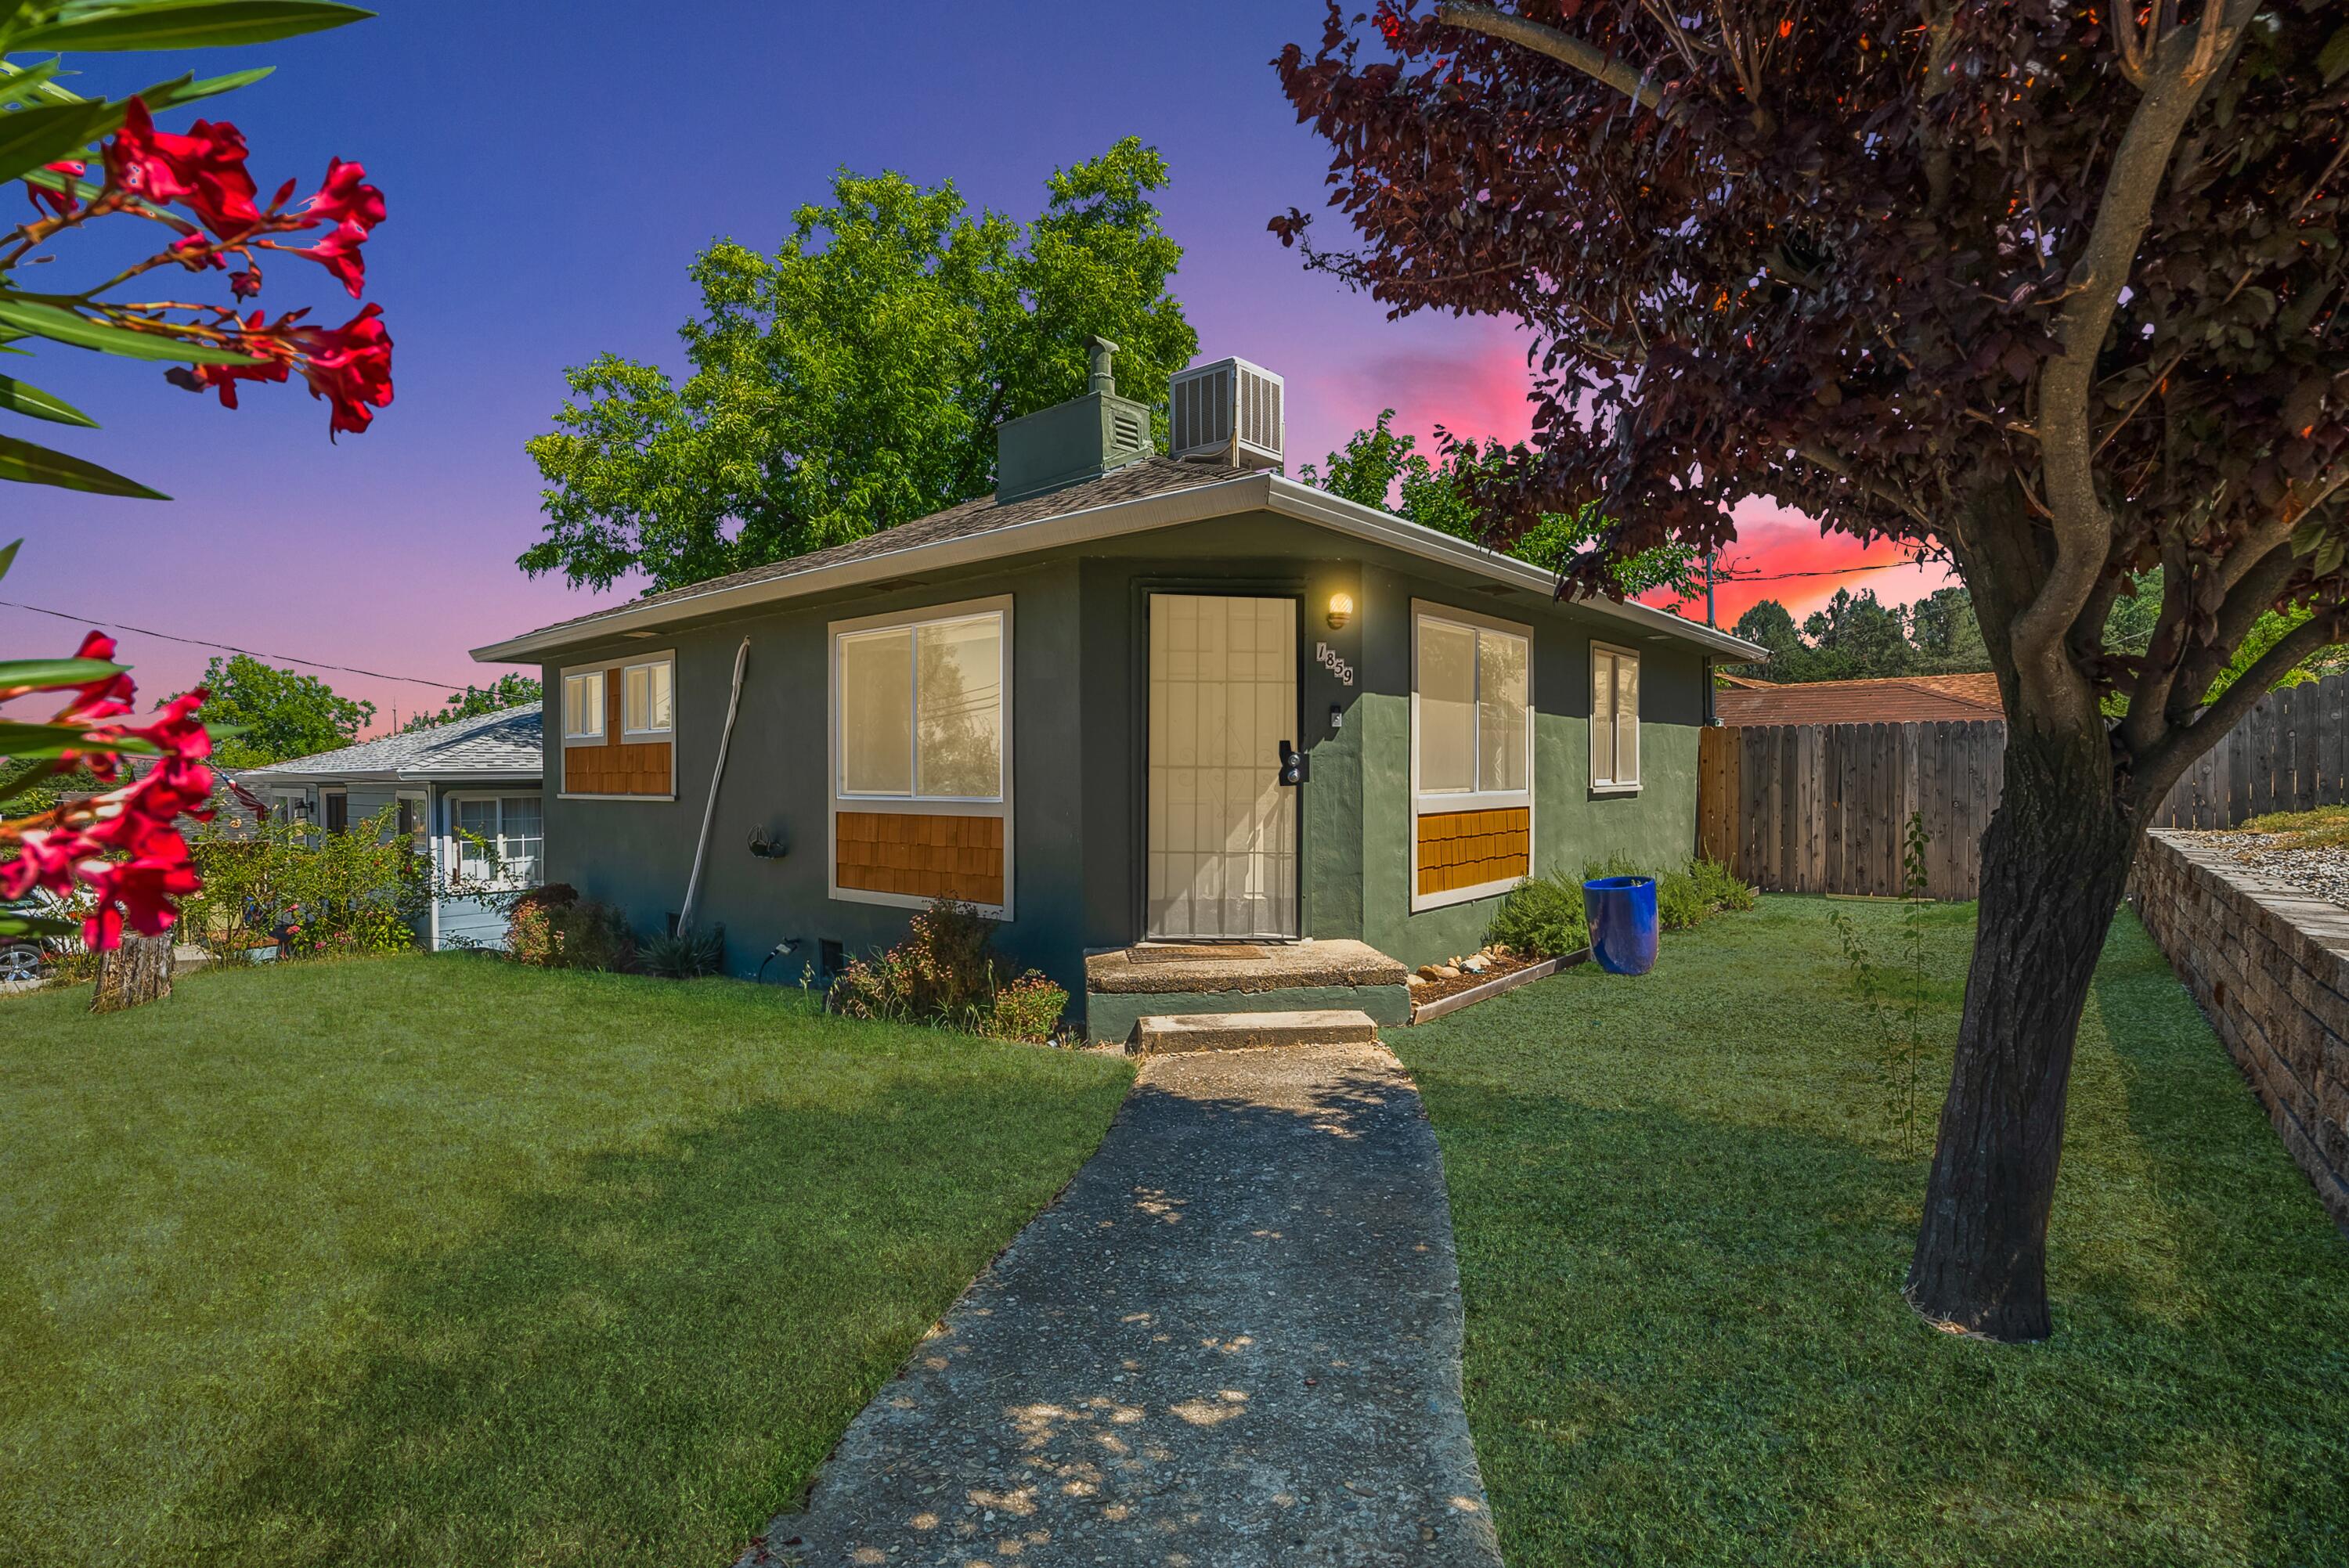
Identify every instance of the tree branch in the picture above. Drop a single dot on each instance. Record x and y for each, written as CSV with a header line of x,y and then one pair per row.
x,y
2161,768
1819,457
1597,64
2174,69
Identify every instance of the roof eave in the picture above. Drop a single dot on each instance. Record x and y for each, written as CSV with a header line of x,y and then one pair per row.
x,y
1198,503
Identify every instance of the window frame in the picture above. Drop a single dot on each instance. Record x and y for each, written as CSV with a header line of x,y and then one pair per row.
x,y
666,658
838,801
1639,732
1438,803
1435,803
455,800
601,734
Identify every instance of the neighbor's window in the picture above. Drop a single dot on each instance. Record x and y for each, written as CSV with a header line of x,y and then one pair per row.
x,y
920,709
1474,734
414,823
1614,718
510,825
645,697
583,706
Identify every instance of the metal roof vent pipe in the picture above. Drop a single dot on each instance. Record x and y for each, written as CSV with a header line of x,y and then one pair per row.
x,y
1229,412
1094,434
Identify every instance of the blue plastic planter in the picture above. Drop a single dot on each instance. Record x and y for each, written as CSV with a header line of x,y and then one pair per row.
x,y
1622,915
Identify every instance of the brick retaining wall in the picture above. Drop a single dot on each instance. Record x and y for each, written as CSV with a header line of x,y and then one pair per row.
x,y
2270,966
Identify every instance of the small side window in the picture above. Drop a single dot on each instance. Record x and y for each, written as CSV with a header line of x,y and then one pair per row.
x,y
647,699
583,706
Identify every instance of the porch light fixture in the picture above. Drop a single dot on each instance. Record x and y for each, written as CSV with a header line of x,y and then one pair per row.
x,y
1341,610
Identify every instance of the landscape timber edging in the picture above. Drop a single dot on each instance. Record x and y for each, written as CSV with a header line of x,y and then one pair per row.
x,y
1421,1013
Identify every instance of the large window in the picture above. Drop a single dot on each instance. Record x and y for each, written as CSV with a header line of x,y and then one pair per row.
x,y
920,709
647,699
1614,718
1472,732
499,838
582,707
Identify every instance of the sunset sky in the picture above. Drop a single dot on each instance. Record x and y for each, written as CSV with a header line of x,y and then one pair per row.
x,y
551,169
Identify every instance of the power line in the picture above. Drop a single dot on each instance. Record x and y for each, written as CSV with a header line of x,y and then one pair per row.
x,y
232,648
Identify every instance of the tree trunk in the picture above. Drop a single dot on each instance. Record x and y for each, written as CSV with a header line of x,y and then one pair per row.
x,y
139,971
2054,862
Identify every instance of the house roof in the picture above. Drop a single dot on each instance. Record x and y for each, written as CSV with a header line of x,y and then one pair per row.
x,y
1892,699
501,744
1156,492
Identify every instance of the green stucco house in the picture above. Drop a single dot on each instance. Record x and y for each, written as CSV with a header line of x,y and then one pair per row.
x,y
1128,699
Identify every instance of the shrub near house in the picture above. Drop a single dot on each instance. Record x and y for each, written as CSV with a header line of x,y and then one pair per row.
x,y
276,883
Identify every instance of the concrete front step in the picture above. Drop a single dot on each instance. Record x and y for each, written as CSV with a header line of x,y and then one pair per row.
x,y
1160,1033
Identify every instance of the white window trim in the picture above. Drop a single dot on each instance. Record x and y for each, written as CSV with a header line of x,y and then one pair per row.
x,y
913,805
455,843
1443,804
602,734
605,737
1639,735
301,815
646,661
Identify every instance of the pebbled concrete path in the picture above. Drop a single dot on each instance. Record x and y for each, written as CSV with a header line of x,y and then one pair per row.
x,y
1234,1341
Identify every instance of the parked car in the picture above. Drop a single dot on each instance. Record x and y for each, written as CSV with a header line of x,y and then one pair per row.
x,y
27,960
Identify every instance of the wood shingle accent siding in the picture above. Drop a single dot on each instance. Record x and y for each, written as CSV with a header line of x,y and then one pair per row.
x,y
617,768
922,856
1469,849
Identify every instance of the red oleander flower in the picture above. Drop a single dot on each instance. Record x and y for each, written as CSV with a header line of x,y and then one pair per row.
x,y
123,845
244,283
204,170
355,208
350,365
345,197
63,203
339,252
256,338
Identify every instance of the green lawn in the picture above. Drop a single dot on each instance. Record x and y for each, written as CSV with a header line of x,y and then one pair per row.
x,y
442,1260
1683,1222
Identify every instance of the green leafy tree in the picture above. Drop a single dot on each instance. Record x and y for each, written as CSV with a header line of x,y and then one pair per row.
x,y
854,380
506,691
1379,466
1857,637
1946,632
277,714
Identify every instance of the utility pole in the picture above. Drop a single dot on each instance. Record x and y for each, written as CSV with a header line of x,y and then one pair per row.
x,y
1708,590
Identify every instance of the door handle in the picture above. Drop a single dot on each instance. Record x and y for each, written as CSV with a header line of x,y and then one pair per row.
x,y
1292,765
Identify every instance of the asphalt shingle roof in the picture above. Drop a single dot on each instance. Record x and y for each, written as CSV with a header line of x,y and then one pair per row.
x,y
1150,476
502,744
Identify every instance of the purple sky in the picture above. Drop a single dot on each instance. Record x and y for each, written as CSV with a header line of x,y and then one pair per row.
x,y
551,169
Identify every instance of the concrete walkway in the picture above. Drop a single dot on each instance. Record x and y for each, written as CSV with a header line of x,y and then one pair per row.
x,y
1235,1341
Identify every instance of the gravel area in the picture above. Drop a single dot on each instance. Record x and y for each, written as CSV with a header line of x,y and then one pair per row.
x,y
2320,871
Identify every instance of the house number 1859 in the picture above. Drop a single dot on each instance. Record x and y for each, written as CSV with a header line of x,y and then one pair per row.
x,y
1333,664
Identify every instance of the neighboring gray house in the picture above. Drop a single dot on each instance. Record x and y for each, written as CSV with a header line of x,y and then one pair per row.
x,y
477,777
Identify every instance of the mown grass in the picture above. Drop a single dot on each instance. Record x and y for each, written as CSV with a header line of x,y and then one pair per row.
x,y
1683,1220
442,1260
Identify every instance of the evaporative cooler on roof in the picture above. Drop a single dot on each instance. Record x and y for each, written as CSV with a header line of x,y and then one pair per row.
x,y
1229,410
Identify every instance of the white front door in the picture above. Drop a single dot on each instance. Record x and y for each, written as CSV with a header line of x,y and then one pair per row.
x,y
1222,827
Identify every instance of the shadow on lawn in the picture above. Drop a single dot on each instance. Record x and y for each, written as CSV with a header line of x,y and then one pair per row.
x,y
1686,1338
641,1366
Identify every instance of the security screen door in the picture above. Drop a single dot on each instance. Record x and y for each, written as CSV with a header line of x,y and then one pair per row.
x,y
1222,827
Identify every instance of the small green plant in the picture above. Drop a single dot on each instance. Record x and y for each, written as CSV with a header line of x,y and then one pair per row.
x,y
1895,996
1028,1008
943,974
686,955
1542,918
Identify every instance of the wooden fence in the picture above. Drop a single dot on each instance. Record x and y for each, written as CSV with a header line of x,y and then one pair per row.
x,y
1823,807
2291,753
